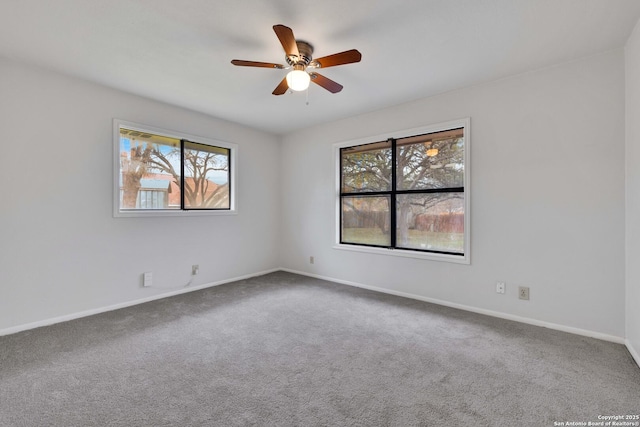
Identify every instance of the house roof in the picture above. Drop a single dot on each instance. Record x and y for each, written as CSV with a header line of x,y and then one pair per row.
x,y
153,184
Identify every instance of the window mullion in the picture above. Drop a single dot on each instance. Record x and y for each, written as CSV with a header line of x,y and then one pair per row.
x,y
340,209
432,190
182,204
392,198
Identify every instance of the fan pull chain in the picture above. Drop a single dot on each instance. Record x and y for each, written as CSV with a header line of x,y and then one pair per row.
x,y
307,103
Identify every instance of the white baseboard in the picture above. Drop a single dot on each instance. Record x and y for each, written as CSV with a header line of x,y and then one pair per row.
x,y
563,328
634,353
527,320
85,313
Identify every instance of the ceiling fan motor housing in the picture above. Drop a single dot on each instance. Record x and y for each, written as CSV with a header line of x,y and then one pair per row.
x,y
305,50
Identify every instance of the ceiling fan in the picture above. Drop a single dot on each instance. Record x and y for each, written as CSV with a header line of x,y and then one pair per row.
x,y
299,59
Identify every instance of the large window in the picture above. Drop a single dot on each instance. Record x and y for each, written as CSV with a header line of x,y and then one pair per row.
x,y
408,193
158,172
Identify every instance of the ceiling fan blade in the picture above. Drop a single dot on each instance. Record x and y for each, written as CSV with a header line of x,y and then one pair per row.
x,y
242,63
287,39
346,57
282,88
326,83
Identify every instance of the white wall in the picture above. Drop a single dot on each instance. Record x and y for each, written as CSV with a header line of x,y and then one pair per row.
x,y
547,197
632,75
61,251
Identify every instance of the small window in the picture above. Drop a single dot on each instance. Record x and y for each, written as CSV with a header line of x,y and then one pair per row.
x,y
408,193
160,173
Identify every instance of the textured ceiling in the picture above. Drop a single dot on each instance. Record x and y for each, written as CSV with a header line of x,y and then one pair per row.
x,y
179,51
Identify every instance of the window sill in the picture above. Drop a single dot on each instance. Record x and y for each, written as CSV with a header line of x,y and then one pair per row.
x,y
167,213
456,259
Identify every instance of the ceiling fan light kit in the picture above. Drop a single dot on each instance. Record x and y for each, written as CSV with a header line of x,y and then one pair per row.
x,y
299,59
298,80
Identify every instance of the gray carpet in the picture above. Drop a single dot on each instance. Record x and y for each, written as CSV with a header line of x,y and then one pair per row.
x,y
287,350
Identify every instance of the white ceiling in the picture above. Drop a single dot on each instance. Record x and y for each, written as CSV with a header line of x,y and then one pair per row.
x,y
179,51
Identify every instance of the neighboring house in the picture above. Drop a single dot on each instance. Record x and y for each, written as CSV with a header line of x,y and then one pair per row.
x,y
160,191
154,194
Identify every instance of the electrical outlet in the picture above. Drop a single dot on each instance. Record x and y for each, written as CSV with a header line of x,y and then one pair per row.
x,y
523,292
195,269
312,260
147,279
500,287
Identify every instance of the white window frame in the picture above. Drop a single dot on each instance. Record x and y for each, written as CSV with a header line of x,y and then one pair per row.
x,y
233,181
438,127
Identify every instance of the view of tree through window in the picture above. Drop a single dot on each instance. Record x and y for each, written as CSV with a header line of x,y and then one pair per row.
x,y
163,173
405,193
